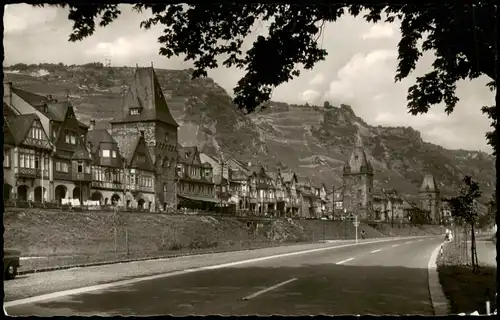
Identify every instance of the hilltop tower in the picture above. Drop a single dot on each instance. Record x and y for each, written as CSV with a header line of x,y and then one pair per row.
x,y
430,198
358,183
145,108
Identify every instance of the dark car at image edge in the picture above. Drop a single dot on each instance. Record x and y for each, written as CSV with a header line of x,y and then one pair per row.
x,y
11,263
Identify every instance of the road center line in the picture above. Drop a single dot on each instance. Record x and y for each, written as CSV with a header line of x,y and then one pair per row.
x,y
378,250
409,242
106,286
344,261
395,245
268,289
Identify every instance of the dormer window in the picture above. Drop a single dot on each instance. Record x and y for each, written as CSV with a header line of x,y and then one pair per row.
x,y
134,111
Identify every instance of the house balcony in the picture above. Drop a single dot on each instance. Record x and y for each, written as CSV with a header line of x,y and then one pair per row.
x,y
61,176
107,185
137,188
80,176
266,199
30,173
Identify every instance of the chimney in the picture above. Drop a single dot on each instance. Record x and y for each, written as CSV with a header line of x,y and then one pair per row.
x,y
7,92
142,133
92,125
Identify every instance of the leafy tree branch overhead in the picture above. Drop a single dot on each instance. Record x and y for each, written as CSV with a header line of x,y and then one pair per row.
x,y
462,37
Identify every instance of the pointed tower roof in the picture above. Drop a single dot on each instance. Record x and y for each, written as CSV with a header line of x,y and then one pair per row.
x,y
429,184
145,98
358,159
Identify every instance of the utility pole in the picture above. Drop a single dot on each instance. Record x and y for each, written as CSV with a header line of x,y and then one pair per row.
x,y
124,184
221,181
392,214
175,193
43,191
356,225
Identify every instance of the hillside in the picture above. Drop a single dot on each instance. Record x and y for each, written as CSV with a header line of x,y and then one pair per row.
x,y
312,140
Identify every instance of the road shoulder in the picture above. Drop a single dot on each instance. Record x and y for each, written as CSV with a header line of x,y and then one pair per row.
x,y
438,299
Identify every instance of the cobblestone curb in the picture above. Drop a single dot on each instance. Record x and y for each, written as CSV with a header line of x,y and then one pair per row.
x,y
438,299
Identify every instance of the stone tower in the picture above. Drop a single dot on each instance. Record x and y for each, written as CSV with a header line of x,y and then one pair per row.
x,y
145,108
430,198
358,183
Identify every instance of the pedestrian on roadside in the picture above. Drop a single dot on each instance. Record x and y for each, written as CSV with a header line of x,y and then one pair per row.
x,y
363,234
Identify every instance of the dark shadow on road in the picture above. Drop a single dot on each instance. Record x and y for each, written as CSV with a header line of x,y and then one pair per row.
x,y
320,289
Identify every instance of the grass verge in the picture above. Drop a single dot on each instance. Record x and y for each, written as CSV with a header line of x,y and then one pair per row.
x,y
465,290
57,238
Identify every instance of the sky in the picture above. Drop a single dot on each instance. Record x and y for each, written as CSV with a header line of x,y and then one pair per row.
x,y
359,70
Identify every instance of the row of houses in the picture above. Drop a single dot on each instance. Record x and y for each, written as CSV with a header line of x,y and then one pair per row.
x,y
357,195
50,156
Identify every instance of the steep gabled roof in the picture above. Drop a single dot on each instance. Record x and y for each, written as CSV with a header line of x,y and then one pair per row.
x,y
186,154
32,99
145,94
127,146
98,136
429,184
288,176
302,181
81,152
273,175
8,137
21,125
238,175
7,111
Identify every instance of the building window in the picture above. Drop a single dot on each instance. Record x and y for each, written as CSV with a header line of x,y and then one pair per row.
x,y
62,167
36,133
141,158
70,137
27,158
113,153
6,158
134,111
105,153
80,167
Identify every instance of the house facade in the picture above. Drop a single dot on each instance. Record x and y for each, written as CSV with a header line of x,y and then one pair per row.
x,y
388,206
140,180
358,184
430,199
290,183
108,167
194,181
262,192
145,109
306,198
27,159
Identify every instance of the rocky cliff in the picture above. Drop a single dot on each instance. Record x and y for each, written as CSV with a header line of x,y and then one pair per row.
x,y
314,141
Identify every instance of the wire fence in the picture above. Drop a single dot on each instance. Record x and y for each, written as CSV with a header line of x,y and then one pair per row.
x,y
56,235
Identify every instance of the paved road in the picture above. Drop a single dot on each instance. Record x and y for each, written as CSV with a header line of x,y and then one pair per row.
x,y
378,278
